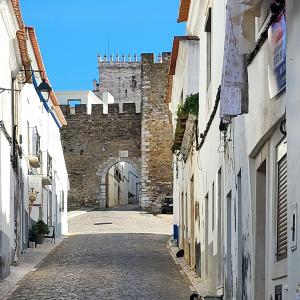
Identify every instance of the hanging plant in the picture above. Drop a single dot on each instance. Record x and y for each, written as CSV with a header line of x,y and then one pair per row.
x,y
190,106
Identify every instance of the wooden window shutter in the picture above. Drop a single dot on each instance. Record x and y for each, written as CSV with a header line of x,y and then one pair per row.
x,y
282,233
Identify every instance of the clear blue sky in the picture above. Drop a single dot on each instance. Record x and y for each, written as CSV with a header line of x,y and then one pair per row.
x,y
72,33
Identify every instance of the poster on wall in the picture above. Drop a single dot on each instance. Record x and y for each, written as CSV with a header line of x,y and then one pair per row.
x,y
277,56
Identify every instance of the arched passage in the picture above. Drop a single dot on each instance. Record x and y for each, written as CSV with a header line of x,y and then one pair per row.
x,y
103,170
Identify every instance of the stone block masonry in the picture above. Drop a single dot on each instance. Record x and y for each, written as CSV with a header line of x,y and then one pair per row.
x,y
90,142
122,80
156,134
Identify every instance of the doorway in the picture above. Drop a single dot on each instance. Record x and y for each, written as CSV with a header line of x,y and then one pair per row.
x,y
122,182
192,218
229,281
206,236
260,231
182,223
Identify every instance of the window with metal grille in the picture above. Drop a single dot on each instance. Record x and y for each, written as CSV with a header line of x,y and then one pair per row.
x,y
282,201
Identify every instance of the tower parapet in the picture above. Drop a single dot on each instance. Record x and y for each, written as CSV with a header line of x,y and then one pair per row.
x,y
144,57
97,109
147,58
117,59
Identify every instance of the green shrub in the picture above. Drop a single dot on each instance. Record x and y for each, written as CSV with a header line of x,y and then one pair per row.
x,y
190,106
40,227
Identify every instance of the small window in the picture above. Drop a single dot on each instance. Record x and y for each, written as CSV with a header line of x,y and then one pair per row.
x,y
133,82
74,102
208,47
282,233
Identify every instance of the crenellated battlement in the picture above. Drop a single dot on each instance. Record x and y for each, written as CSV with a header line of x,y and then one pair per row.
x,y
96,134
97,109
106,60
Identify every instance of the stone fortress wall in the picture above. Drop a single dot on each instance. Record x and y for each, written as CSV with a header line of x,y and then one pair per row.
x,y
92,143
122,79
156,133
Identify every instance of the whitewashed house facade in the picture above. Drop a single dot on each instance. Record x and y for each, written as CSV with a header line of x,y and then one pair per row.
x,y
73,98
122,185
235,191
34,180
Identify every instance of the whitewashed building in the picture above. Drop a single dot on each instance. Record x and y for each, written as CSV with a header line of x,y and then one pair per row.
x,y
73,98
293,167
122,185
234,184
33,176
11,61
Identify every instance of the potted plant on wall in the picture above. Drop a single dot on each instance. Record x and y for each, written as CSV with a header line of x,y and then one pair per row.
x,y
184,110
40,228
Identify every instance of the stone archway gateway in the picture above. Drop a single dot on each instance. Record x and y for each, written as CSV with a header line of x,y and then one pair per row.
x,y
93,143
103,170
136,124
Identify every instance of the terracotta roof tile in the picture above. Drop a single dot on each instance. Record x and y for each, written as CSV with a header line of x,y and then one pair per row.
x,y
41,66
21,36
175,49
22,41
184,11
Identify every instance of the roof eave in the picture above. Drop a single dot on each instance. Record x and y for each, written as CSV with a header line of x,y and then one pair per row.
x,y
184,10
41,66
175,50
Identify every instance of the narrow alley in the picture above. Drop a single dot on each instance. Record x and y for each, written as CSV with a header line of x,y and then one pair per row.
x,y
119,253
150,150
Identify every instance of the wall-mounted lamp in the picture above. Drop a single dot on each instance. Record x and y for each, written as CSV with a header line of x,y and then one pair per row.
x,y
44,87
22,78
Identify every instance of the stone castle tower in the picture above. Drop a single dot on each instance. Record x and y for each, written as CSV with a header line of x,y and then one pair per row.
x,y
121,78
93,143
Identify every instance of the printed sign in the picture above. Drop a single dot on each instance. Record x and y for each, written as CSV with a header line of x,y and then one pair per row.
x,y
277,56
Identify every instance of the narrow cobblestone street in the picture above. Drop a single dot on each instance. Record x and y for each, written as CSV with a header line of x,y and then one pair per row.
x,y
110,254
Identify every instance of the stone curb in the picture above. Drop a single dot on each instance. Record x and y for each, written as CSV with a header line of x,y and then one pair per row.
x,y
15,277
194,278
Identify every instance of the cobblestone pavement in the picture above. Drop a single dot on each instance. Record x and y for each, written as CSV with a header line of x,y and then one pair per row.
x,y
115,254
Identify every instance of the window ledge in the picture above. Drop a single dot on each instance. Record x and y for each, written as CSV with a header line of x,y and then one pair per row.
x,y
279,269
